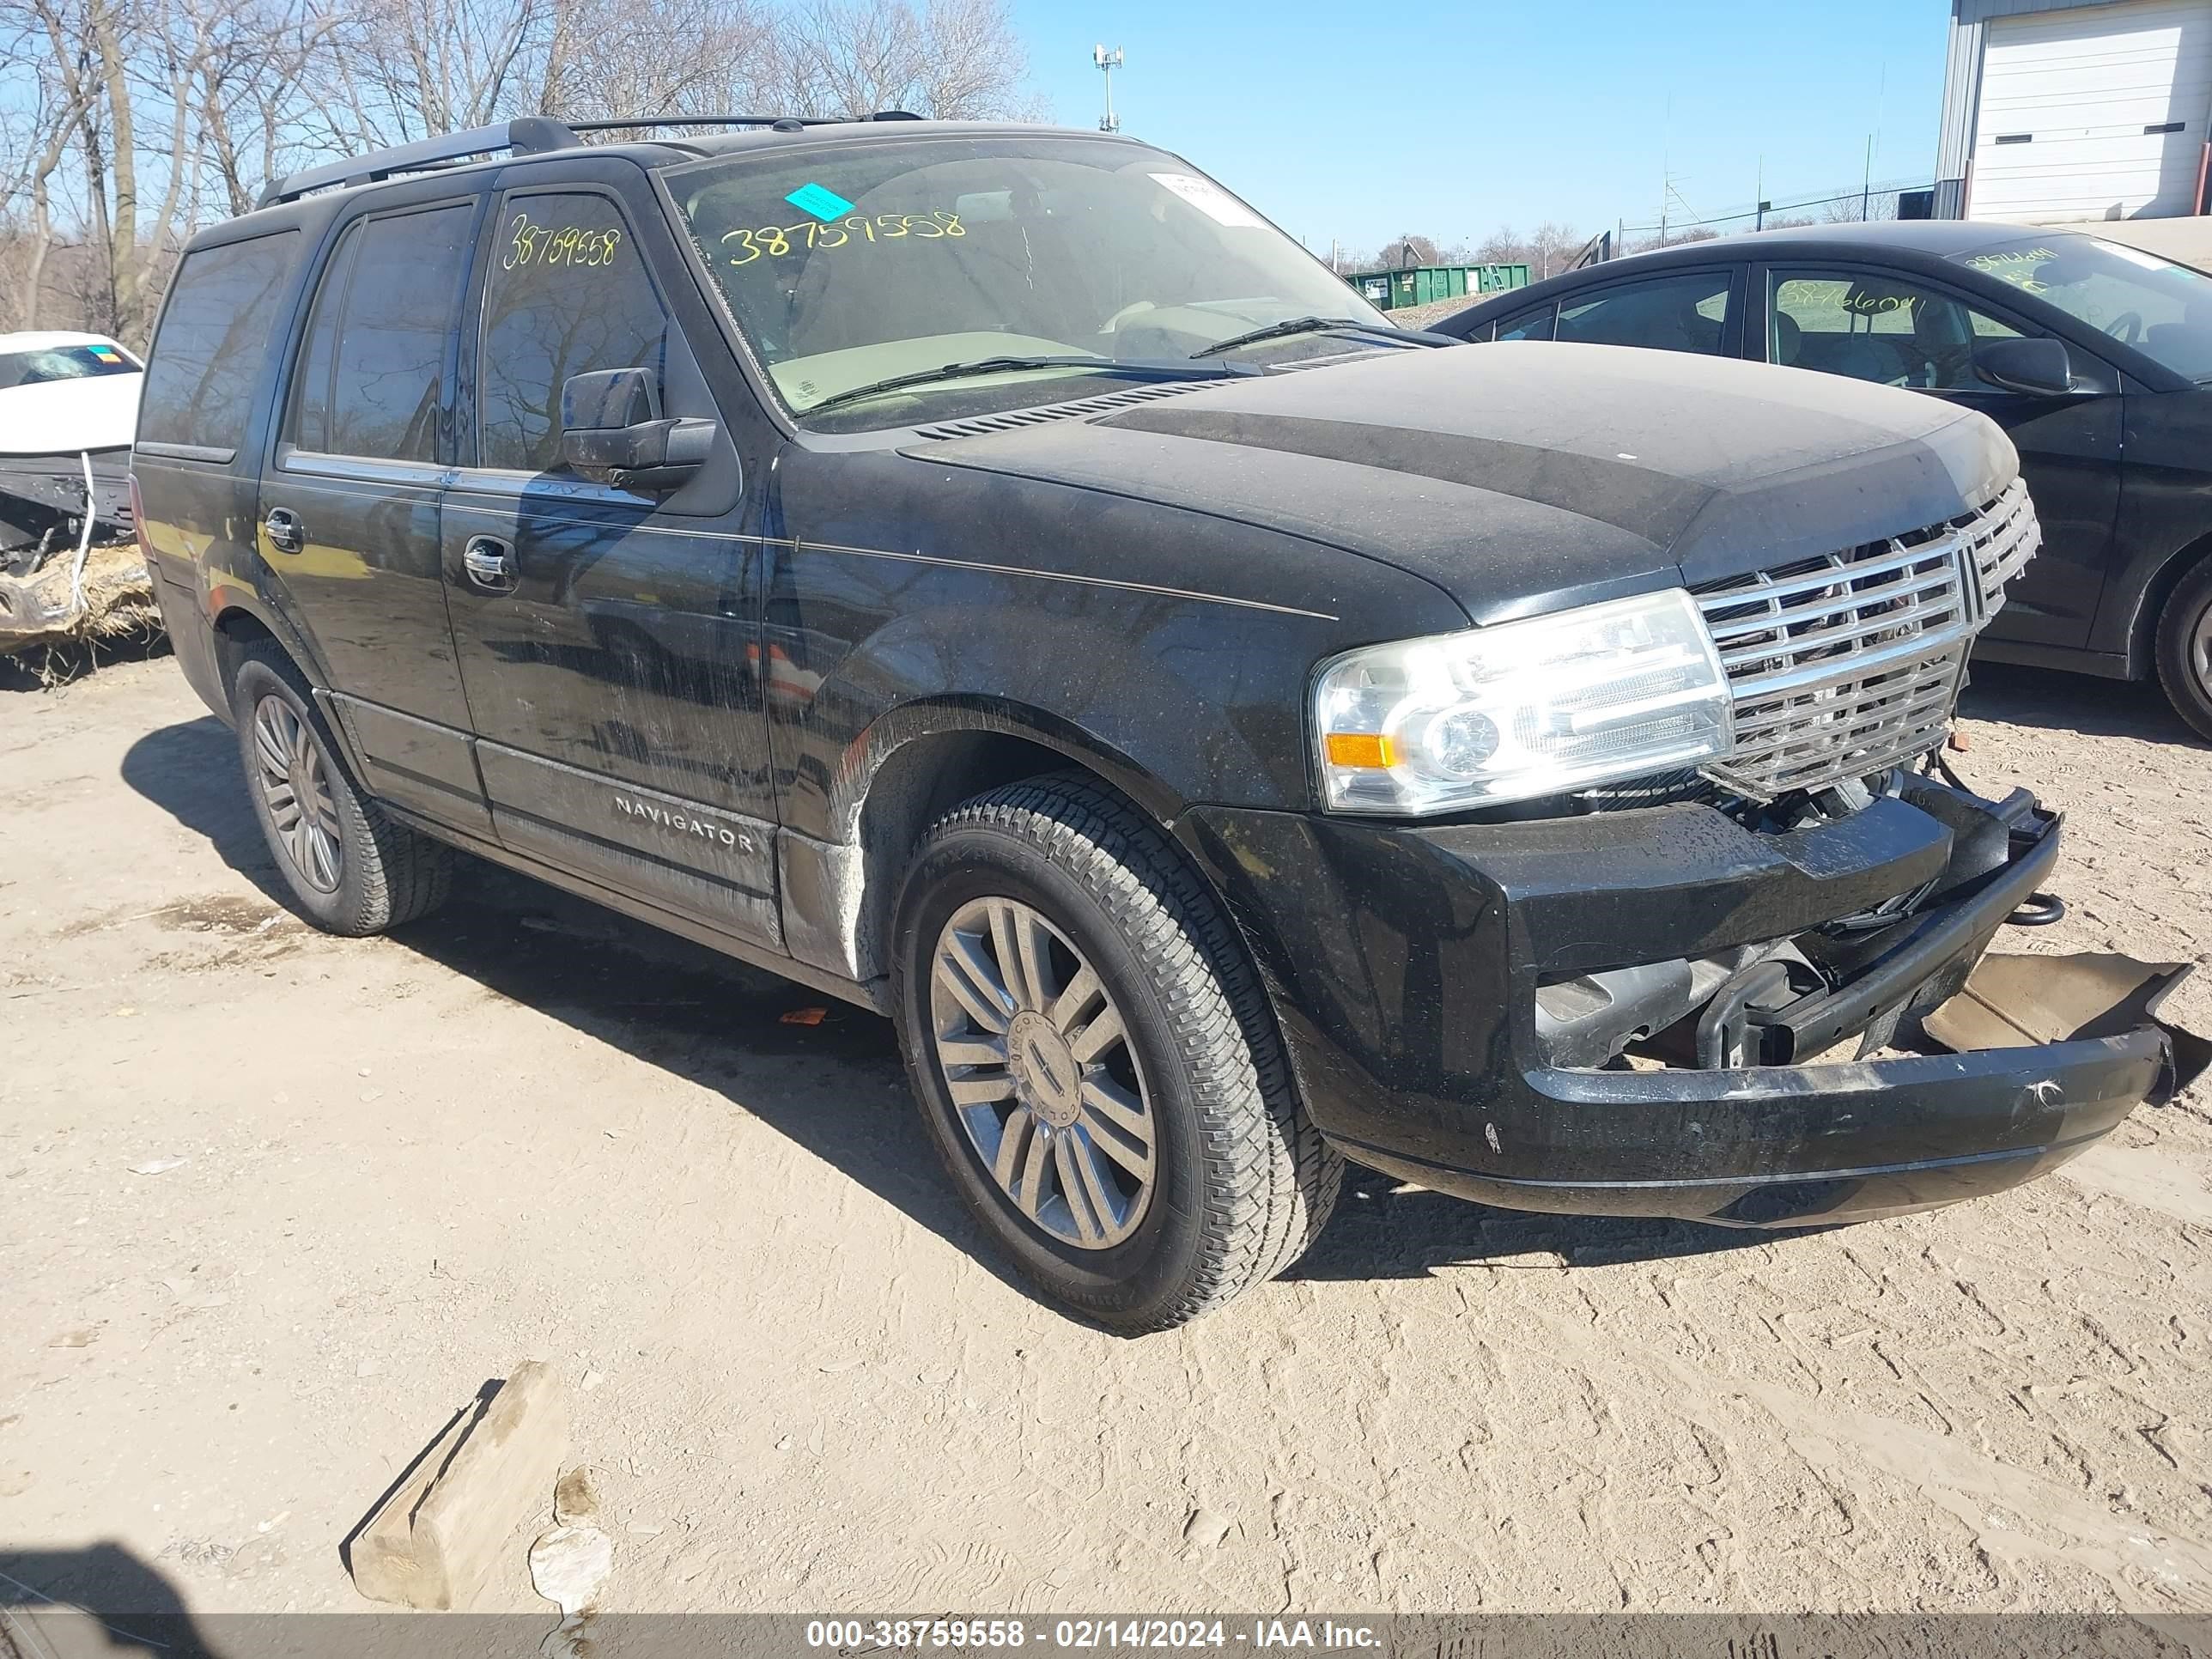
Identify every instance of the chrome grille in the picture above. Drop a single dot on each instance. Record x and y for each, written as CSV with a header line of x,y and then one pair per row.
x,y
1850,662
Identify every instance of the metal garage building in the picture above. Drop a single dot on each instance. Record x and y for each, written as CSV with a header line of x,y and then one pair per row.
x,y
2058,110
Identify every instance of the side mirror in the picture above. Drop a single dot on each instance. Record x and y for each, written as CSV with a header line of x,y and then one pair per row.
x,y
2040,368
612,432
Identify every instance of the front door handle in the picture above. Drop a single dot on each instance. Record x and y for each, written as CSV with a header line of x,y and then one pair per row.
x,y
286,533
489,563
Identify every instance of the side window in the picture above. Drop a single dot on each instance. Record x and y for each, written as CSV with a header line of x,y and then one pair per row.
x,y
1668,313
310,425
372,370
214,340
566,294
1527,324
1874,326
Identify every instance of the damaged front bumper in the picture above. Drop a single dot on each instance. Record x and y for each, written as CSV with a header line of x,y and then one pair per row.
x,y
1640,1012
42,492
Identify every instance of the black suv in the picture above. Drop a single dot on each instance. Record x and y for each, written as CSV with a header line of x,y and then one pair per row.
x,y
991,575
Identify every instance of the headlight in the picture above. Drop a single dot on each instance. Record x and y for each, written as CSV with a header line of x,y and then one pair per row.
x,y
1522,708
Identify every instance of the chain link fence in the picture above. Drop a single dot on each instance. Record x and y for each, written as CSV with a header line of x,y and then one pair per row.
x,y
1876,200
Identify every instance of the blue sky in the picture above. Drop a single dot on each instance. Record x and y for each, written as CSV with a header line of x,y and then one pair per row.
x,y
1360,121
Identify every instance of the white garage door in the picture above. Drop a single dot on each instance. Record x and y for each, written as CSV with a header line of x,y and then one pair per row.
x,y
2093,114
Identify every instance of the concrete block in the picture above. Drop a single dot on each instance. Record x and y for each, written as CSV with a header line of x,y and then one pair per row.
x,y
435,1539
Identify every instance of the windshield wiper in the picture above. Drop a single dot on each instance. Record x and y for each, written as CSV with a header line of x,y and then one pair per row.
x,y
1299,325
1175,369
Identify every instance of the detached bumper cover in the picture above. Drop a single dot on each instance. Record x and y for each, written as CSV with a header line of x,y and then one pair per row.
x,y
1404,963
55,482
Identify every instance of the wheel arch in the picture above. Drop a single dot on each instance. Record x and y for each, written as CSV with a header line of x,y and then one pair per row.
x,y
913,765
240,622
236,627
2150,606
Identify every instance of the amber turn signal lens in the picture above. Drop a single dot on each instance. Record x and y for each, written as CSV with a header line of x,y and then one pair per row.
x,y
1359,748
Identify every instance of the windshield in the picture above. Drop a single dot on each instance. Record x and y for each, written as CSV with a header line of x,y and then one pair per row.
x,y
2162,309
69,362
849,264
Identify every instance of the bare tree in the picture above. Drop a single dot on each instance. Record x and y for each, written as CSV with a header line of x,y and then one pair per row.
x,y
1503,247
128,122
37,137
1409,248
251,90
1853,210
1550,249
617,58
401,70
957,60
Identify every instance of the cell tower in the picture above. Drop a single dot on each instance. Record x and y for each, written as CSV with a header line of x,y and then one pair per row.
x,y
1108,61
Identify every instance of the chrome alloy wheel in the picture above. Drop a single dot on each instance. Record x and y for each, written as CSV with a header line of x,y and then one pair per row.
x,y
289,768
1041,1072
2200,650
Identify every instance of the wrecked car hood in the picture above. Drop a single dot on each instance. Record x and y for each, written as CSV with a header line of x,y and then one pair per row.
x,y
54,417
1522,477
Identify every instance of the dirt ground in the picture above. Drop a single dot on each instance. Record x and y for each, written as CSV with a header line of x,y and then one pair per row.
x,y
273,1204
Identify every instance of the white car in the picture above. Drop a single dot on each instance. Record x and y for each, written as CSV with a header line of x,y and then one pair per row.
x,y
69,404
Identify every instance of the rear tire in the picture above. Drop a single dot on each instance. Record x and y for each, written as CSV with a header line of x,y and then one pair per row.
x,y
2184,649
1236,1184
352,869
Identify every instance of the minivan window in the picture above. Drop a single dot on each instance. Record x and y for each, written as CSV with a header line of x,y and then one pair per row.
x,y
567,293
844,265
214,340
2162,309
372,366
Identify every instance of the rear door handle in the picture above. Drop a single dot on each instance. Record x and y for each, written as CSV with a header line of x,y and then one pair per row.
x,y
489,563
286,533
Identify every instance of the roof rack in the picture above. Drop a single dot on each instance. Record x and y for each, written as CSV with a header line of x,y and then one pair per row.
x,y
781,123
526,135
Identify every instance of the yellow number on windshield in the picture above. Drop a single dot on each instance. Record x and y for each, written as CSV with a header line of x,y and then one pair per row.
x,y
752,241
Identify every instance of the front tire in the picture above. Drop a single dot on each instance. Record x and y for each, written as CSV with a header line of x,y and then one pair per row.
x,y
2185,649
1095,1060
352,869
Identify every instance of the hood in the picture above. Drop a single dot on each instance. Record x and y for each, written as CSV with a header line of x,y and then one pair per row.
x,y
1520,477
65,416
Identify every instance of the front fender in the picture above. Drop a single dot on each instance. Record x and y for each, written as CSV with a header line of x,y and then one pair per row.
x,y
1180,641
1152,697
914,722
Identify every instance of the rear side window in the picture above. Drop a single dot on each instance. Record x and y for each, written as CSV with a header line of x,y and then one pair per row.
x,y
1528,325
214,340
1668,313
373,369
567,293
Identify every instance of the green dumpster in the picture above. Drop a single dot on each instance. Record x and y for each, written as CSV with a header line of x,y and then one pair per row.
x,y
1422,285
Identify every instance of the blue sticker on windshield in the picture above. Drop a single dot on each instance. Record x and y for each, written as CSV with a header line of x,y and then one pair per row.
x,y
819,200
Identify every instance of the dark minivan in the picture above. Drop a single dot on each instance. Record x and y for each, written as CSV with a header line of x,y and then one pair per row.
x,y
992,575
2095,357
